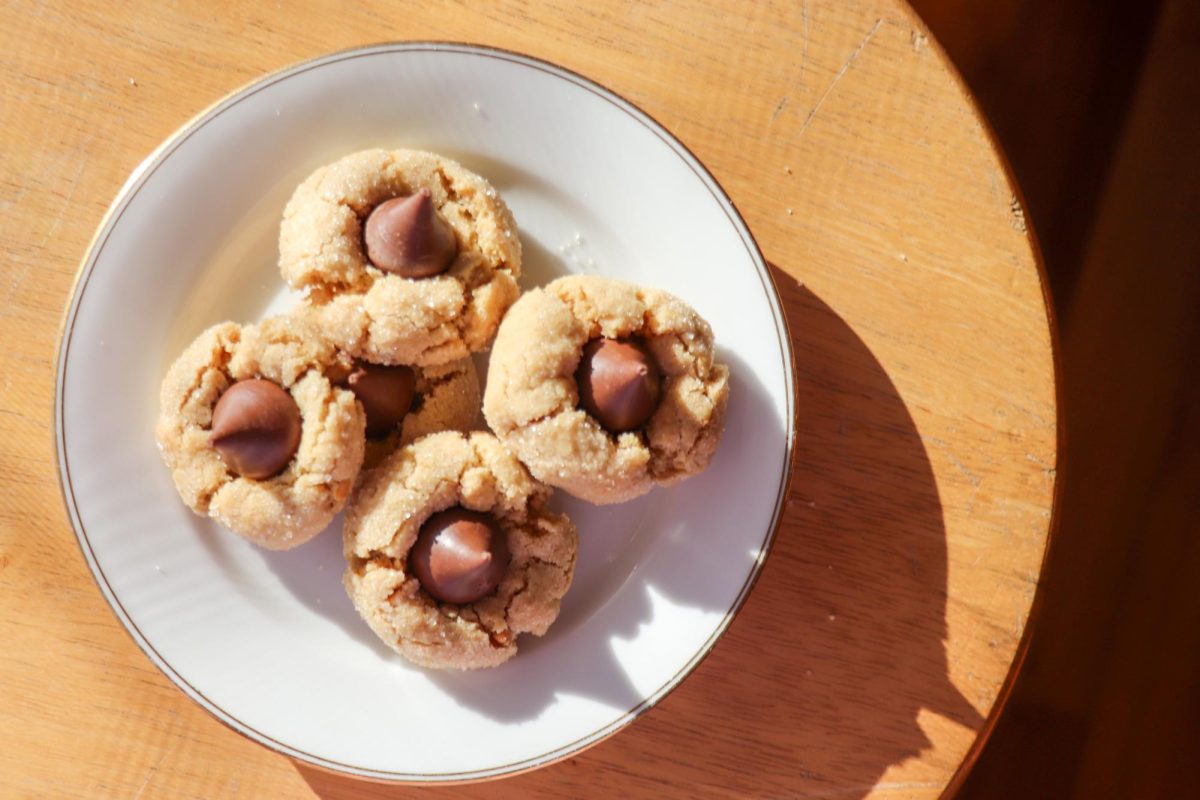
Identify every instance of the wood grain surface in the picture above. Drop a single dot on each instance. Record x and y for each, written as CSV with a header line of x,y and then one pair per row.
x,y
877,641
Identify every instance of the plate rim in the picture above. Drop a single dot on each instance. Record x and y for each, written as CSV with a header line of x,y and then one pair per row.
x,y
137,178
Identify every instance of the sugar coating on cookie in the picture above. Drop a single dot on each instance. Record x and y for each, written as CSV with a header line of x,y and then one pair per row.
x,y
293,506
383,317
383,520
532,401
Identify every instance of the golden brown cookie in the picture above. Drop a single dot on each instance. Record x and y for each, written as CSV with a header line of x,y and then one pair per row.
x,y
442,397
288,508
532,400
382,316
396,499
447,399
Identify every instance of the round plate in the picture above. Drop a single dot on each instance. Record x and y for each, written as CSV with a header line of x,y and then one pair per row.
x,y
268,642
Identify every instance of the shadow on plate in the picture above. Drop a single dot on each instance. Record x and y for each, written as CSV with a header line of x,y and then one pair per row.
x,y
816,688
539,265
594,671
313,574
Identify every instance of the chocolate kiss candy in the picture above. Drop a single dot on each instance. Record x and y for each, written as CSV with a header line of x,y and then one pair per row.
x,y
460,556
408,237
256,428
386,394
619,383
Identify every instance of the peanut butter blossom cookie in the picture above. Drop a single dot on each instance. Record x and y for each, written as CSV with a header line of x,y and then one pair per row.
x,y
402,402
451,552
605,388
407,257
256,435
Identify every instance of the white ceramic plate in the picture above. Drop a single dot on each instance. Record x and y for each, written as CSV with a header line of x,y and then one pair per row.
x,y
268,642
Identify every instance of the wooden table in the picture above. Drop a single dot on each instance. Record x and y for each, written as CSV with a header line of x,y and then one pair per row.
x,y
876,645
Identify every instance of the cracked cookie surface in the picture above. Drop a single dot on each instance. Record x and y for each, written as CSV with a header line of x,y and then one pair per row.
x,y
532,401
386,318
290,508
382,522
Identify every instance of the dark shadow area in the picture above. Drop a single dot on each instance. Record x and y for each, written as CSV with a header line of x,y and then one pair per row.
x,y
539,266
816,687
1056,82
1107,701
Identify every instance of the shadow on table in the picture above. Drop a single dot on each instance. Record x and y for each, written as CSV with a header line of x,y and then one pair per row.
x,y
816,688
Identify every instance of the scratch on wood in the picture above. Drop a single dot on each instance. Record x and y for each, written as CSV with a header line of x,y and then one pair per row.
x,y
1017,215
15,282
804,51
919,41
149,774
907,785
1049,470
803,58
862,791
971,477
782,102
840,74
73,186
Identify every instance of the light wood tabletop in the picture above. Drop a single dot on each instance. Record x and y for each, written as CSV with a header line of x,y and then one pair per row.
x,y
877,642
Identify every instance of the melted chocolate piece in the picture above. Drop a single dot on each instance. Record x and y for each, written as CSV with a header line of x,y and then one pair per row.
x,y
386,394
619,383
460,556
408,237
256,428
